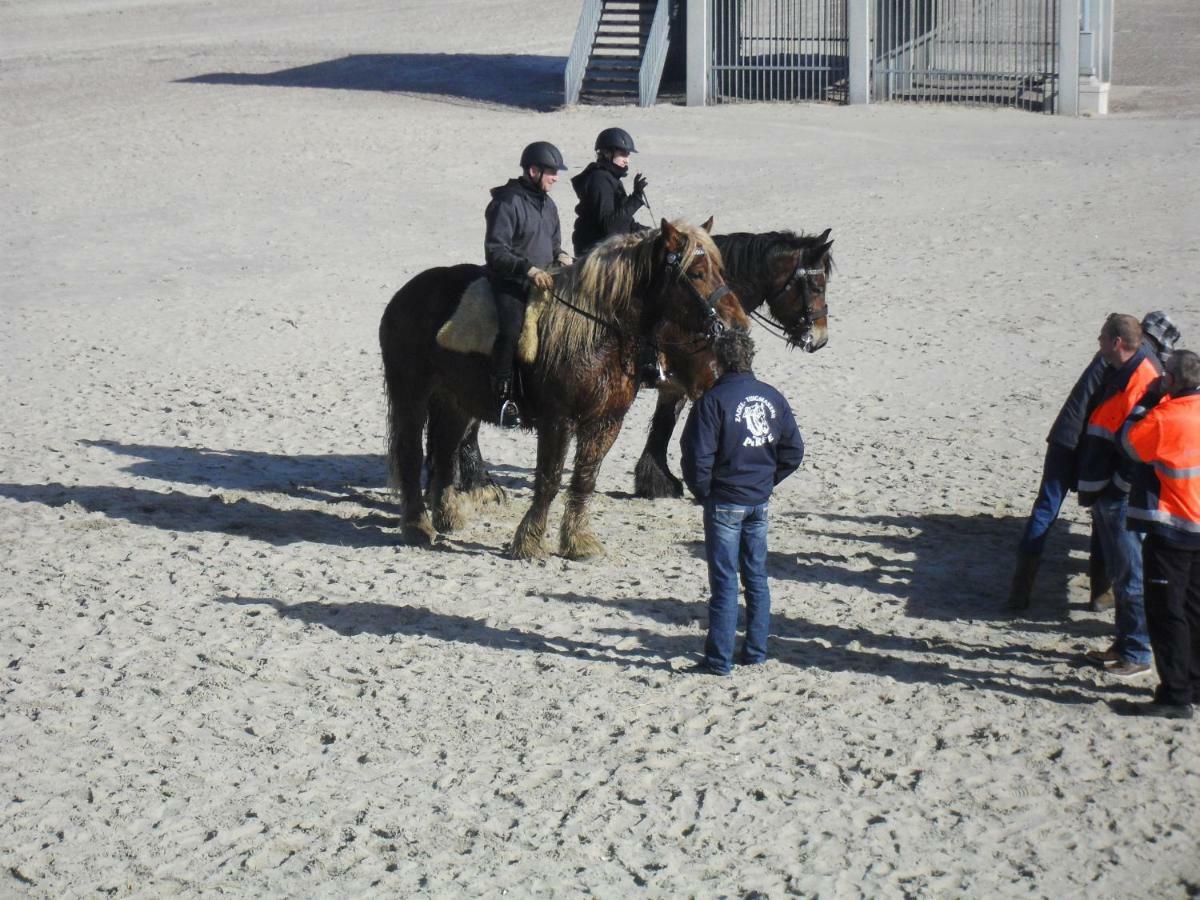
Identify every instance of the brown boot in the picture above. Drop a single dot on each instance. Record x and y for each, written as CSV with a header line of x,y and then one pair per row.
x,y
1021,595
1101,586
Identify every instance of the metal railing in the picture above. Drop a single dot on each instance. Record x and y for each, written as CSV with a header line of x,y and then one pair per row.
x,y
778,50
654,57
581,50
994,52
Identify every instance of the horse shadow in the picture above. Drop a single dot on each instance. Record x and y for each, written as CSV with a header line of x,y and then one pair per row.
x,y
519,80
175,511
335,477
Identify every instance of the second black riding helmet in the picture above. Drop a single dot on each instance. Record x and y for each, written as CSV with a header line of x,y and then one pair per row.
x,y
615,139
544,154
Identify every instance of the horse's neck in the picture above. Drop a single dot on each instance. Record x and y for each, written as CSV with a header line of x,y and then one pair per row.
x,y
752,288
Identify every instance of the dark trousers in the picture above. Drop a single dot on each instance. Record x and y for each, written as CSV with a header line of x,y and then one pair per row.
x,y
510,310
1172,585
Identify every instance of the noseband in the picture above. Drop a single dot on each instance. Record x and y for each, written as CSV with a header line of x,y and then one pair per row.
x,y
809,315
714,324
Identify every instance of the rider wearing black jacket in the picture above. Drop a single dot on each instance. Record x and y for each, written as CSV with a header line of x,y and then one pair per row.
x,y
604,208
523,239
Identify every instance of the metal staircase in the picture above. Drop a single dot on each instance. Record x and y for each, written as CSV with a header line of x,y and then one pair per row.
x,y
618,53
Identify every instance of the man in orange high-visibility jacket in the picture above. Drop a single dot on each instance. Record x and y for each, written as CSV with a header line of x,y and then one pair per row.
x,y
1104,474
1165,505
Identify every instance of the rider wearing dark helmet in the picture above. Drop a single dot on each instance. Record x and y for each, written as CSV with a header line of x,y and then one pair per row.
x,y
523,239
604,208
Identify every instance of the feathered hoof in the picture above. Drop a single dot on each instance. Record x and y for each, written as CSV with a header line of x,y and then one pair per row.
x,y
526,545
450,514
652,482
488,494
581,545
420,533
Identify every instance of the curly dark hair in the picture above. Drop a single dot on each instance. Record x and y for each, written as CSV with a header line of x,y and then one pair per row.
x,y
735,350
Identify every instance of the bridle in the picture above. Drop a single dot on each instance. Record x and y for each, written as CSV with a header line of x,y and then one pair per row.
x,y
714,325
809,316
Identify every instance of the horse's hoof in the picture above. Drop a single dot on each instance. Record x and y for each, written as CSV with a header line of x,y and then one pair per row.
x,y
652,482
451,512
487,494
527,550
581,547
421,533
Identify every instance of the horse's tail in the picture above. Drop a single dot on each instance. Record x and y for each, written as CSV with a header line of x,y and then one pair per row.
x,y
393,389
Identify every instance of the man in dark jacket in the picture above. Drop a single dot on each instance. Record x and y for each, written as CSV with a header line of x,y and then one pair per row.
x,y
1059,471
523,239
739,442
604,209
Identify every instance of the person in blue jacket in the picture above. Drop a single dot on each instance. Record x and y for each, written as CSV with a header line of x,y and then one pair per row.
x,y
740,441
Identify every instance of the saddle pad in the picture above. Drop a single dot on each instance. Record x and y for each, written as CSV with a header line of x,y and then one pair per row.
x,y
472,328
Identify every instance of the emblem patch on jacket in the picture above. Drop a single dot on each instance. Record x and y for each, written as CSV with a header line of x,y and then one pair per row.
x,y
753,414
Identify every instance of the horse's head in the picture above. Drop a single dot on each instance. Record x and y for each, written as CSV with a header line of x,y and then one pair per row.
x,y
798,300
694,295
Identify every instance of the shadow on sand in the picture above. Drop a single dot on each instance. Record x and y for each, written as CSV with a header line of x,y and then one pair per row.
x,y
524,81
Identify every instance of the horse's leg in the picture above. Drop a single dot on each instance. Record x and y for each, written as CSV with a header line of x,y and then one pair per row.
x,y
471,475
447,425
406,460
652,476
592,444
553,436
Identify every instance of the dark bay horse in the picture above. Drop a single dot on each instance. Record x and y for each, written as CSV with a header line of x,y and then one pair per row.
x,y
786,272
666,285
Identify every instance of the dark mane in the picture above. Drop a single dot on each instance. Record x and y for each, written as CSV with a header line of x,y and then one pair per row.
x,y
748,256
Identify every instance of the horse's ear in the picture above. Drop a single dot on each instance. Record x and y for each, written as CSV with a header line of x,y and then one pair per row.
x,y
825,236
707,226
671,236
817,254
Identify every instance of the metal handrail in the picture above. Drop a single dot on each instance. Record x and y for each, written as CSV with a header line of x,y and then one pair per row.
x,y
654,57
581,50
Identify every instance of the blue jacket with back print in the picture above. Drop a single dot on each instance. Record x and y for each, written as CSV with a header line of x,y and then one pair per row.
x,y
740,441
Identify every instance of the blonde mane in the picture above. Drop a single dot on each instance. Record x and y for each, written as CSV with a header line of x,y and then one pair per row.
x,y
602,284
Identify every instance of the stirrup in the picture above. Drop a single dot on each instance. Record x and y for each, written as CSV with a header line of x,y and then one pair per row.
x,y
510,414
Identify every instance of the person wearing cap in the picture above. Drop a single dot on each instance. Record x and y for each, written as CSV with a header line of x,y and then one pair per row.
x,y
1159,336
523,239
604,209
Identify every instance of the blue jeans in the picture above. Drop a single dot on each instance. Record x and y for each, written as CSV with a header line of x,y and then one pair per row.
x,y
1123,558
1058,476
735,540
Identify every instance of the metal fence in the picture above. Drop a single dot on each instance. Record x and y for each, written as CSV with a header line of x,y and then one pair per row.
x,y
995,52
778,50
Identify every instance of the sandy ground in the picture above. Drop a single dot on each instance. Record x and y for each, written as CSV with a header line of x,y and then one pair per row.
x,y
220,674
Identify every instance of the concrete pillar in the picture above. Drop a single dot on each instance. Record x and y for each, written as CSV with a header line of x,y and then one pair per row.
x,y
858,29
1068,58
698,38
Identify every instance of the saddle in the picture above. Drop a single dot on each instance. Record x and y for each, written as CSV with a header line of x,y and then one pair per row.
x,y
473,326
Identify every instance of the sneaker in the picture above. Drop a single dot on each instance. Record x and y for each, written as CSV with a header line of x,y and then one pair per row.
x,y
703,668
1126,669
1103,657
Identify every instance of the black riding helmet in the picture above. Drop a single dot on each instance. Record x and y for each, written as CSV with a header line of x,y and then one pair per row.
x,y
542,153
615,139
